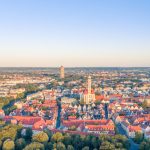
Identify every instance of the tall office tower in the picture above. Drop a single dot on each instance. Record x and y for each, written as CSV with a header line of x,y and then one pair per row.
x,y
62,72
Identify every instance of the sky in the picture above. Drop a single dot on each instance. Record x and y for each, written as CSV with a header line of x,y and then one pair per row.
x,y
75,33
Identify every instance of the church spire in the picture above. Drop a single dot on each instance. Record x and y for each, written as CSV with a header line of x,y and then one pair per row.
x,y
89,84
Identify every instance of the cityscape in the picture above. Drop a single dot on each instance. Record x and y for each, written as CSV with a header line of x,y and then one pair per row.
x,y
74,75
95,105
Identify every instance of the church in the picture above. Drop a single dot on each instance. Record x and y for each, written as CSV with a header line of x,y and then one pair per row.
x,y
88,96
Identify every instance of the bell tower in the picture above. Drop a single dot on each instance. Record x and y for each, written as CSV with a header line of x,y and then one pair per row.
x,y
89,85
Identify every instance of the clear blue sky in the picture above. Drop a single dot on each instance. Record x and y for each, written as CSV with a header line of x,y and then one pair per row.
x,y
74,33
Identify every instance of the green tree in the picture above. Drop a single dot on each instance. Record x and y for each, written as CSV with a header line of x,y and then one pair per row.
x,y
107,146
57,137
34,146
60,146
9,132
20,144
31,88
49,133
19,133
77,142
72,128
103,137
88,140
95,142
20,95
67,139
70,147
41,137
138,137
1,143
85,148
98,102
8,145
118,145
49,146
28,134
145,145
121,139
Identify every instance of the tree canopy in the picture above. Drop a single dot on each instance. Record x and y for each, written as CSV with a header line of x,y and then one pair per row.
x,y
41,137
57,137
8,145
34,146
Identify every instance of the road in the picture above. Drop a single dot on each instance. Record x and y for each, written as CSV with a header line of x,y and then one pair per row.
x,y
133,146
121,131
59,116
106,111
17,100
10,104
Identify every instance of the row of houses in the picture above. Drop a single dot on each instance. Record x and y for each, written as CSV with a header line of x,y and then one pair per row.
x,y
101,126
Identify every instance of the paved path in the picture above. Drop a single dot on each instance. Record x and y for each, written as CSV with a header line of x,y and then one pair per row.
x,y
133,146
58,117
106,111
121,131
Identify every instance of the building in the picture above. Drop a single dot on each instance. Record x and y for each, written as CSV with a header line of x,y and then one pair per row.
x,y
102,126
2,114
148,102
88,95
35,95
66,100
62,72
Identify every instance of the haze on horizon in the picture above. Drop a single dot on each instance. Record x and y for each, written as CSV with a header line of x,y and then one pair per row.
x,y
74,33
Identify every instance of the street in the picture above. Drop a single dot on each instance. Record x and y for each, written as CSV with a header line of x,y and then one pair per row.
x,y
121,131
59,116
133,146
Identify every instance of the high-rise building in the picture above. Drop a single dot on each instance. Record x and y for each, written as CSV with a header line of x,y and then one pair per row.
x,y
62,72
88,95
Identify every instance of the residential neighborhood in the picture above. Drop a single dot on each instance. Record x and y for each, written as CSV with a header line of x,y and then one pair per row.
x,y
81,103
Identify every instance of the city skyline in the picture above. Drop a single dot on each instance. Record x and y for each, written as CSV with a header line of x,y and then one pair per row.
x,y
74,33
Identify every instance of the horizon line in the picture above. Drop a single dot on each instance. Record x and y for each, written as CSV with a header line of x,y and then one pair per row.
x,y
75,66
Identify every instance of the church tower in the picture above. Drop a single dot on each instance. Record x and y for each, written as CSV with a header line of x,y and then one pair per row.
x,y
89,85
88,95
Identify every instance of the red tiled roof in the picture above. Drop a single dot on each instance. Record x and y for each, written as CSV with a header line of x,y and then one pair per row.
x,y
7,118
1,110
39,125
99,97
28,120
100,127
69,123
115,96
72,117
134,128
49,122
